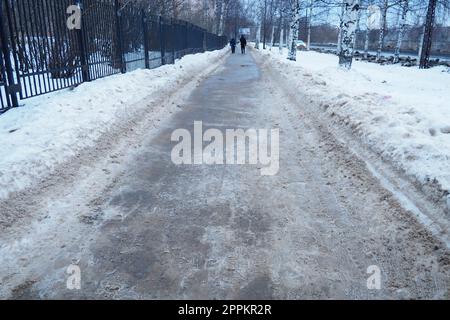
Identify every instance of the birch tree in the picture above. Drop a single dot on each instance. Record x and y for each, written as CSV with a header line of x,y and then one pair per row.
x,y
219,15
281,32
341,20
358,28
258,35
264,23
288,33
350,17
368,28
222,18
401,29
428,34
382,29
421,37
259,10
366,40
294,27
272,18
272,37
308,37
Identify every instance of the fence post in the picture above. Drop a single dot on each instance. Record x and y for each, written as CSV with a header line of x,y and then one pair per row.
x,y
146,47
81,46
11,87
120,56
204,41
186,42
161,40
172,38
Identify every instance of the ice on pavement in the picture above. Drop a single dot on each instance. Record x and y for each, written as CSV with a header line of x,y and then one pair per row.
x,y
402,113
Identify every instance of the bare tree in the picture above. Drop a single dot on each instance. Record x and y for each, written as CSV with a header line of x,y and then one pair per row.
x,y
294,28
401,29
281,29
351,11
428,35
309,18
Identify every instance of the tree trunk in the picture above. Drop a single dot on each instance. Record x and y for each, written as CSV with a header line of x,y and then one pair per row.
x,y
428,35
272,18
348,33
219,13
265,24
358,21
339,41
272,36
310,11
205,14
382,30
401,29
222,19
367,35
258,35
280,43
288,35
293,37
174,10
421,36
366,44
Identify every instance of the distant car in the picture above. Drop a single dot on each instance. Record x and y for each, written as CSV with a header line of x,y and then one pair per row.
x,y
301,45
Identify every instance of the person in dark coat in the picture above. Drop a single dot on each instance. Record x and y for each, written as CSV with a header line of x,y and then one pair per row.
x,y
233,45
243,44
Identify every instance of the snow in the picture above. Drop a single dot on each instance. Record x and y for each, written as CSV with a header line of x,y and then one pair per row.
x,y
50,129
401,113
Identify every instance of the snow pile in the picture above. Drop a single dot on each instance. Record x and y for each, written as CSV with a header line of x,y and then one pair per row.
x,y
52,128
402,113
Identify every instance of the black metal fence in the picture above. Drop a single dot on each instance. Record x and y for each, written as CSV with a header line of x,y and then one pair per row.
x,y
41,54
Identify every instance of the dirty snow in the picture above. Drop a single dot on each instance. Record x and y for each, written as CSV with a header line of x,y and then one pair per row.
x,y
402,113
52,128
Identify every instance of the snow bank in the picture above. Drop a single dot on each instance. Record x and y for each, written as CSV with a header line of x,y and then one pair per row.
x,y
402,113
50,129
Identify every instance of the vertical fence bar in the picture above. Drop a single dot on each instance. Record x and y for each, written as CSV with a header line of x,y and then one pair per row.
x,y
11,88
186,34
172,37
146,46
120,56
161,40
10,19
204,41
85,74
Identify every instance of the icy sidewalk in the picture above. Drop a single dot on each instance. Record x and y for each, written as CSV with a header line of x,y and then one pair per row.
x,y
51,129
401,113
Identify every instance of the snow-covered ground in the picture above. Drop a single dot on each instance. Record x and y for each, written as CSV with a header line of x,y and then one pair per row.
x,y
50,129
402,113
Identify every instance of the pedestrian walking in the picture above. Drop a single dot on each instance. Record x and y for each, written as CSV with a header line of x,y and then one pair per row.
x,y
243,44
233,45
